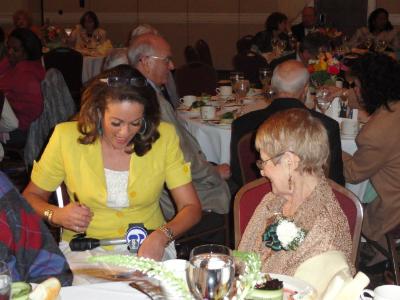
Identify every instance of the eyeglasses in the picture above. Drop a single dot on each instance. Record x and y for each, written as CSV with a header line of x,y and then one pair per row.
x,y
167,59
261,163
117,81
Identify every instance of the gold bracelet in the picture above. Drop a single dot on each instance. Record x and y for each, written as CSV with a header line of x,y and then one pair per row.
x,y
48,214
168,232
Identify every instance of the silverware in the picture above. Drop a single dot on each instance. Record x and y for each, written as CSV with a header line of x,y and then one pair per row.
x,y
140,289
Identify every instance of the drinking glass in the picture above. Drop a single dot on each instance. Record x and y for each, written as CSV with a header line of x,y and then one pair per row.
x,y
265,75
5,281
281,46
274,44
323,102
68,31
380,46
368,43
211,272
241,89
235,77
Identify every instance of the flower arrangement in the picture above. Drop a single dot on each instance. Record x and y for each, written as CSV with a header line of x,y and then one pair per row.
x,y
53,36
283,235
324,69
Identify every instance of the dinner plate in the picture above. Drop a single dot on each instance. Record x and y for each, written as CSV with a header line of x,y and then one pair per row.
x,y
302,289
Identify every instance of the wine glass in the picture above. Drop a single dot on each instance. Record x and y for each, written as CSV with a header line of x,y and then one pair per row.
x,y
380,46
68,31
323,102
281,46
241,89
235,77
5,281
368,43
265,75
211,272
274,44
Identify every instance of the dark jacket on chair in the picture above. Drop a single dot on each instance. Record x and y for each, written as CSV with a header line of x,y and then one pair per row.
x,y
251,121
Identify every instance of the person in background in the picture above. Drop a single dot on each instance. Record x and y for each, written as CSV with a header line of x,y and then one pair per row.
x,y
3,48
114,162
377,86
275,28
87,34
118,56
169,88
26,243
151,55
294,150
23,19
290,82
379,28
307,25
21,74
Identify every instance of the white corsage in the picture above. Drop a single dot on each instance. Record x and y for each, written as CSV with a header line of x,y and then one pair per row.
x,y
283,234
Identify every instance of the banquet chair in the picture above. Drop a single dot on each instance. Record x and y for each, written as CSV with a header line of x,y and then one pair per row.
x,y
244,44
70,63
247,156
250,63
245,203
58,106
204,52
353,210
196,78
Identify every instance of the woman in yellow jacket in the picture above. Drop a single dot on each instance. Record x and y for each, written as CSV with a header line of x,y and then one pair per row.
x,y
115,159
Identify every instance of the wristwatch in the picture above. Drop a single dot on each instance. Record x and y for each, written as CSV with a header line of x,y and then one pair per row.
x,y
168,232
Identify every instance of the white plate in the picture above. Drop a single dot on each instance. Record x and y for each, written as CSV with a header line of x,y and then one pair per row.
x,y
302,288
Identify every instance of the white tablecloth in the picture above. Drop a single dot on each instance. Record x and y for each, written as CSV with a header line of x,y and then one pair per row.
x,y
91,67
102,291
215,140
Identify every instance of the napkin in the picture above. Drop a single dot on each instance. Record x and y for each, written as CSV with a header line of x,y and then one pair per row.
x,y
331,277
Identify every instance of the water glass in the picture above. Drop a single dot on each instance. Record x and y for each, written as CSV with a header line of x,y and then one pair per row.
x,y
323,101
380,46
235,77
211,272
265,75
5,282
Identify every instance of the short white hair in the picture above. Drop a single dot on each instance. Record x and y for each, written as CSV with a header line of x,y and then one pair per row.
x,y
290,77
115,58
142,29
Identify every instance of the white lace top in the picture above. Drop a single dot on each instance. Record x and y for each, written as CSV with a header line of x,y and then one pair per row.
x,y
117,184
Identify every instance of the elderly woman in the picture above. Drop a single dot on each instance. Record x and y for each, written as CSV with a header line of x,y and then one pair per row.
x,y
23,19
275,28
377,80
87,34
379,28
294,149
114,161
21,74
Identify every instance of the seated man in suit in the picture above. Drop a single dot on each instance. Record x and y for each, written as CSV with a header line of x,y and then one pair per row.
x,y
151,55
308,49
290,81
307,25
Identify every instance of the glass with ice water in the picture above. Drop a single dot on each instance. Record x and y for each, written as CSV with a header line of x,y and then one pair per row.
x,y
211,271
5,282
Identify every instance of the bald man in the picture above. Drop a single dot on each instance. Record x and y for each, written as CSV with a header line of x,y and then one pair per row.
x,y
290,82
308,24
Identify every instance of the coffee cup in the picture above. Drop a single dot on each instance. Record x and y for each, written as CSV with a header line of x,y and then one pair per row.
x,y
224,91
349,126
188,100
383,292
208,112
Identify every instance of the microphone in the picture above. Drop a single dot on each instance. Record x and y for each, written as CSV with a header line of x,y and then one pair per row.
x,y
134,237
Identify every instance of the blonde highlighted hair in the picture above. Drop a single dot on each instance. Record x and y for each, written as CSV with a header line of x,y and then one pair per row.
x,y
296,130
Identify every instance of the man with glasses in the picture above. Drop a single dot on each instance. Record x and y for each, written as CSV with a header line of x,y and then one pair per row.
x,y
290,82
151,55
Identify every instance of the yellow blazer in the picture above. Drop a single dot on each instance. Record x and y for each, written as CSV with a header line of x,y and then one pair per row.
x,y
81,168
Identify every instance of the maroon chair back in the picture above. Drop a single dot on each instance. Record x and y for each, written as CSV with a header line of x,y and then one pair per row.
x,y
246,201
196,78
353,210
247,155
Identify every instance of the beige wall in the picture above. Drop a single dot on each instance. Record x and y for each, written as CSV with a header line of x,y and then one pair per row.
x,y
220,22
